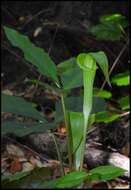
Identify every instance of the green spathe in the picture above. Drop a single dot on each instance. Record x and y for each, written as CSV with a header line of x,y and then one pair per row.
x,y
86,61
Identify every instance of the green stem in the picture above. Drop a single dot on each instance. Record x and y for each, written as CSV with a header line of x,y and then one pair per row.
x,y
69,139
59,155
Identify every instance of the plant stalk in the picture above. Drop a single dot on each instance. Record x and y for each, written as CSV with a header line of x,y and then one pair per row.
x,y
88,79
59,155
69,138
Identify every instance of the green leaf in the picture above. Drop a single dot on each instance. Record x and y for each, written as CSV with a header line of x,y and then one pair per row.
x,y
102,93
121,79
30,179
106,172
116,19
19,106
32,53
72,179
44,85
110,27
124,103
72,78
22,129
105,32
106,117
70,73
77,128
102,61
74,103
16,176
66,65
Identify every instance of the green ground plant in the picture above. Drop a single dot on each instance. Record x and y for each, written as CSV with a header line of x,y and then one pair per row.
x,y
110,27
77,121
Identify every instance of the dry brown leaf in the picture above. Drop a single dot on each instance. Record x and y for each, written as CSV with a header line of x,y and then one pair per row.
x,y
14,150
16,166
27,167
35,162
61,128
126,150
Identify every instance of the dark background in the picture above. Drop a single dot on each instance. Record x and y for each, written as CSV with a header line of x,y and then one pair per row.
x,y
64,34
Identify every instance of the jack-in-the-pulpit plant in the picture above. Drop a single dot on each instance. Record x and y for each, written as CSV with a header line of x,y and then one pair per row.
x,y
88,65
76,122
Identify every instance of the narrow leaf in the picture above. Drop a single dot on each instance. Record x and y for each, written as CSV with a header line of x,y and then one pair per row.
x,y
32,53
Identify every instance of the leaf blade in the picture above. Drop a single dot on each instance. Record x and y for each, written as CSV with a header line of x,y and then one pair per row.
x,y
32,53
19,106
77,128
106,172
72,179
121,79
22,129
102,60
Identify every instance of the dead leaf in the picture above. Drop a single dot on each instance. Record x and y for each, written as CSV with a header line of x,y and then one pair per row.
x,y
7,91
35,162
14,150
27,167
16,166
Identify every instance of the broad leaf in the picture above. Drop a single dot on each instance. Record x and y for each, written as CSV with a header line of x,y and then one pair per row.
x,y
66,65
16,176
121,79
106,117
102,93
77,128
70,73
106,172
110,27
104,32
75,104
114,19
72,78
32,53
72,179
102,60
19,106
44,85
22,129
30,179
124,103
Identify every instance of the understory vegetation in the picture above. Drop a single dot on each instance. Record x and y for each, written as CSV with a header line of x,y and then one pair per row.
x,y
79,104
